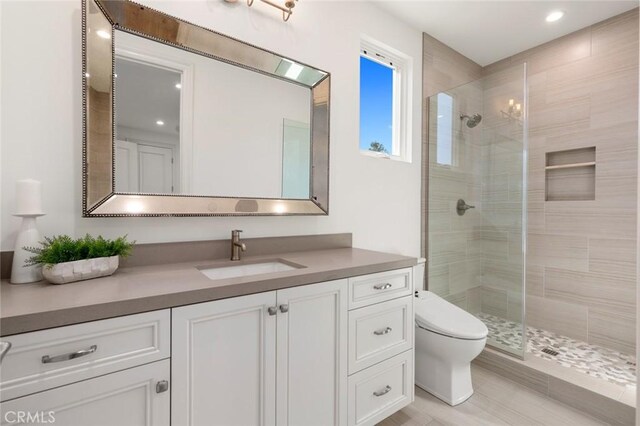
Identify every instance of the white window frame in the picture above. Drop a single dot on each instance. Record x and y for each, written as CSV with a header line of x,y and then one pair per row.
x,y
402,78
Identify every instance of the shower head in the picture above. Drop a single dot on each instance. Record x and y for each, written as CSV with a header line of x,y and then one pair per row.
x,y
472,121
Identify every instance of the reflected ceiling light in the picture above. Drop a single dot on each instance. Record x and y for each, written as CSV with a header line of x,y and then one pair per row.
x,y
160,123
178,86
86,74
554,16
103,34
279,208
294,71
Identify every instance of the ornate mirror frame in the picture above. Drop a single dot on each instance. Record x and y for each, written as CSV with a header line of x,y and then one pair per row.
x,y
98,62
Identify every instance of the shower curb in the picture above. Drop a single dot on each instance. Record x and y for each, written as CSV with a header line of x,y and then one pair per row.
x,y
576,395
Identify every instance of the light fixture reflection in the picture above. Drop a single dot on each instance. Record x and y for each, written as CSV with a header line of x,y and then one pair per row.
x,y
103,34
160,123
134,206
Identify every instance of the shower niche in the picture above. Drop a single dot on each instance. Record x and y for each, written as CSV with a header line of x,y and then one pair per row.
x,y
571,175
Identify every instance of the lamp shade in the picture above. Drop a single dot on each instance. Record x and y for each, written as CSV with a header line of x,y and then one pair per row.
x,y
28,197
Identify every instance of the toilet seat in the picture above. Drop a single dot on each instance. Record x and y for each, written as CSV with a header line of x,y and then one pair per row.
x,y
435,314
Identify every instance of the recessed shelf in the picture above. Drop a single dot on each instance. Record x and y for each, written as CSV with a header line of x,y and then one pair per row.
x,y
571,175
571,166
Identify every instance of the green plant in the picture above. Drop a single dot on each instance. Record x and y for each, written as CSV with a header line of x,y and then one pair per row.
x,y
63,248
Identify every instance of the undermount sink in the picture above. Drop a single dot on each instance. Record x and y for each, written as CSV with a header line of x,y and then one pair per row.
x,y
247,269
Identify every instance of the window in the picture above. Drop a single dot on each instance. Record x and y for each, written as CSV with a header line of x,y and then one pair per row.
x,y
444,129
384,101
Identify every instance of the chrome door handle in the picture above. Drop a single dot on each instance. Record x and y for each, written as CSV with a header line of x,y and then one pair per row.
x,y
383,391
66,357
272,310
381,332
382,286
4,348
284,308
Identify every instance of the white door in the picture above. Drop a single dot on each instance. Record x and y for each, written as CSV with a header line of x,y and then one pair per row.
x,y
312,355
223,362
126,166
128,397
155,169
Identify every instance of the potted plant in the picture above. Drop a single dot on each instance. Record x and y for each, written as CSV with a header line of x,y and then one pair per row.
x,y
66,260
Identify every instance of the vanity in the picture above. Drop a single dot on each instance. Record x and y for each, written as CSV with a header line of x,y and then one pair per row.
x,y
328,341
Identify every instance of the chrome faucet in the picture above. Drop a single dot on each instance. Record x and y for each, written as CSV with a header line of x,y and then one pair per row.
x,y
236,245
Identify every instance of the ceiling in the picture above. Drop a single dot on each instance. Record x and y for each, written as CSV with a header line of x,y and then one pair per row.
x,y
146,94
487,31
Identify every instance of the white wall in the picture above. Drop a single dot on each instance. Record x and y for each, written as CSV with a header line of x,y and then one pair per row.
x,y
378,200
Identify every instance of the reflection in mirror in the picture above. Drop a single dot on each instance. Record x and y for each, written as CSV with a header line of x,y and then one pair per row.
x,y
147,139
186,124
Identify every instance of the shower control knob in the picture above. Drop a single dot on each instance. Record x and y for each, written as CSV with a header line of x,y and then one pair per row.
x,y
462,207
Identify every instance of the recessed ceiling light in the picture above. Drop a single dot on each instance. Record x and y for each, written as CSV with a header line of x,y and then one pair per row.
x,y
554,16
178,86
103,34
160,123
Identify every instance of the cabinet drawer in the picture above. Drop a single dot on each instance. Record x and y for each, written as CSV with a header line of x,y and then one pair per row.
x,y
127,397
369,289
50,358
381,390
380,331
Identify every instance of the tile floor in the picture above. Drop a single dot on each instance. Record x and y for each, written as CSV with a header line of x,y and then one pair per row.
x,y
596,361
496,401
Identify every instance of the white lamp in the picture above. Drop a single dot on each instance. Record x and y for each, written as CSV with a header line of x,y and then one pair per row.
x,y
28,207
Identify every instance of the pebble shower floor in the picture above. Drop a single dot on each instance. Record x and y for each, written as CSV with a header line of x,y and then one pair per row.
x,y
594,360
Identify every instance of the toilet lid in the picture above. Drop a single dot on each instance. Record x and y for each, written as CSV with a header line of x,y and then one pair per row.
x,y
436,314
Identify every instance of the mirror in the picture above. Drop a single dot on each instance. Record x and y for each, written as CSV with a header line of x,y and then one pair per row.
x,y
180,120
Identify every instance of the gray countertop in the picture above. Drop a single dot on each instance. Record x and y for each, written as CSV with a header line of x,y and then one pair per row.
x,y
30,307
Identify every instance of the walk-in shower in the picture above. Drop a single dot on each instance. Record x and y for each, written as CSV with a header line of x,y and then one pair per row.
x,y
477,203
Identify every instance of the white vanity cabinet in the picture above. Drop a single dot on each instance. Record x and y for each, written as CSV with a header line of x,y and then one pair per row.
x,y
381,336
271,358
108,372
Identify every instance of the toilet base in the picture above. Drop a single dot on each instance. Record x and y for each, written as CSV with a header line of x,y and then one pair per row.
x,y
459,398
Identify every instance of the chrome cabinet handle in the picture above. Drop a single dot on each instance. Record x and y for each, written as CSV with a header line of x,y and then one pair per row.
x,y
272,310
383,391
284,308
66,357
4,348
382,286
162,386
381,332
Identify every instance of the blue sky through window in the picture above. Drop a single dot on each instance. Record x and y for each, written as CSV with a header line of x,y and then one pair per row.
x,y
376,104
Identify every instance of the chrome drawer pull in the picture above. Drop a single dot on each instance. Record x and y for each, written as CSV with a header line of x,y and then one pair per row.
x,y
383,391
284,308
66,357
4,348
272,310
382,286
381,332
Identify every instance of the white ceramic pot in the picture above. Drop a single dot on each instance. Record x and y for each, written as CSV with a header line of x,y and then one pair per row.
x,y
79,270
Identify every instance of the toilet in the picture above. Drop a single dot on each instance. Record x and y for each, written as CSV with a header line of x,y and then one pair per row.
x,y
447,340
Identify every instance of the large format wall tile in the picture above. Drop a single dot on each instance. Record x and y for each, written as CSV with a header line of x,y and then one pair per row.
x,y
563,318
558,251
612,329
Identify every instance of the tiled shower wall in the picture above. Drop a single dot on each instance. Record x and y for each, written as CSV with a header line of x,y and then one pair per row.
x,y
444,69
581,254
581,268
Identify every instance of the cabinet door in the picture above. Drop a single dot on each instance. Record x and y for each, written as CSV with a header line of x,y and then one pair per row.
x,y
312,355
223,362
128,397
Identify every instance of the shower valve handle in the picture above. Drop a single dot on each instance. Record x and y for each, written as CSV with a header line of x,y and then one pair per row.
x,y
462,207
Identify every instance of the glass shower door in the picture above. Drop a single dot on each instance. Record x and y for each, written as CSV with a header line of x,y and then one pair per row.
x,y
477,202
